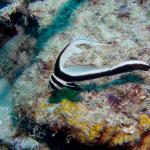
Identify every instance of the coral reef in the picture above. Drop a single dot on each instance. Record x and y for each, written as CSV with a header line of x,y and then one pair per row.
x,y
7,31
111,111
6,125
17,31
91,119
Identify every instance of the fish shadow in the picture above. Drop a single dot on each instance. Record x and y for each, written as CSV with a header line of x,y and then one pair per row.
x,y
74,95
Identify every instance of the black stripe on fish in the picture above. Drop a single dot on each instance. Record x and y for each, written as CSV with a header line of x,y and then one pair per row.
x,y
62,84
119,70
69,79
52,85
57,82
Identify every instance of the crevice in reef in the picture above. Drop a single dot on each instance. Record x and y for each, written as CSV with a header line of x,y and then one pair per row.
x,y
7,31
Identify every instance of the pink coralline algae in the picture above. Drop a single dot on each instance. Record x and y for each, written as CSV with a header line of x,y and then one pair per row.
x,y
113,100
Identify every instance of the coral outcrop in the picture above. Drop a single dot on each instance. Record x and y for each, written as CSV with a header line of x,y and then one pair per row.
x,y
112,111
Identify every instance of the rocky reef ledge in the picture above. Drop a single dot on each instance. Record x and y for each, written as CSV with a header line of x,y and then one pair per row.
x,y
114,111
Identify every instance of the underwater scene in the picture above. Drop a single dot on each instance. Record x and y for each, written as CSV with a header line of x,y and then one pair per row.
x,y
74,74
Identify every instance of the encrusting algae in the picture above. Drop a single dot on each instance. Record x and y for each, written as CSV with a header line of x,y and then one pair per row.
x,y
145,143
73,112
74,120
107,134
122,138
144,122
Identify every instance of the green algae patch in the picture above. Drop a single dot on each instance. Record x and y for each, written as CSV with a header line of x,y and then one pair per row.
x,y
66,93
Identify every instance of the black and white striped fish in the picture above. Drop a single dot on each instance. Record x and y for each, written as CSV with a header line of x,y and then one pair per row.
x,y
66,76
